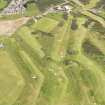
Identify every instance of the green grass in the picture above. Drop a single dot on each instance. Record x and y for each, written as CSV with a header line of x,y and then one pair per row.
x,y
62,35
92,4
45,24
26,36
3,3
49,63
55,16
11,80
31,10
47,3
35,72
28,70
46,40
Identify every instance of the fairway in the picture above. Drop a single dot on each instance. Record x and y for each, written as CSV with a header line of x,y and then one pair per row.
x,y
25,35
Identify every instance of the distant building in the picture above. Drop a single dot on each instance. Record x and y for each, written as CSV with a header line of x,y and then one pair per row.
x,y
63,8
16,6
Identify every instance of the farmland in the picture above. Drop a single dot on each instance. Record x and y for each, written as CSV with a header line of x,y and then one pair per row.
x,y
53,53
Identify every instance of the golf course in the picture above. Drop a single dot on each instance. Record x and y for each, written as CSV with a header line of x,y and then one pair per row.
x,y
52,52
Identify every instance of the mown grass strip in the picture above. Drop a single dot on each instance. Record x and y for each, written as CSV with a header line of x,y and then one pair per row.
x,y
37,76
45,24
62,35
25,34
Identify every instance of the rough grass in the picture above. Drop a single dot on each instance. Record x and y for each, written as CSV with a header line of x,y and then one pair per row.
x,y
12,82
3,3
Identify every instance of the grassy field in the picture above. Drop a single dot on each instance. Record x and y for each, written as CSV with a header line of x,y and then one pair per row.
x,y
45,25
11,80
25,35
57,60
3,3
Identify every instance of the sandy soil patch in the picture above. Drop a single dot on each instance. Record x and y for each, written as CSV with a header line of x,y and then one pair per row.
x,y
8,27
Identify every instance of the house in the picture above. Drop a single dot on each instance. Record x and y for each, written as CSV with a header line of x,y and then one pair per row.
x,y
67,8
16,6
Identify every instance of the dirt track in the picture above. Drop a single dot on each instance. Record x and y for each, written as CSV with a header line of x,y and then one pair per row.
x,y
8,27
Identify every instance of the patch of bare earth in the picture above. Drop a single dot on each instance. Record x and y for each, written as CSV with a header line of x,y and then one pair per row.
x,y
8,27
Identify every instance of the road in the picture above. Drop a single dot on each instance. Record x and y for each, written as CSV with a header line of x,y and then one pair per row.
x,y
87,12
